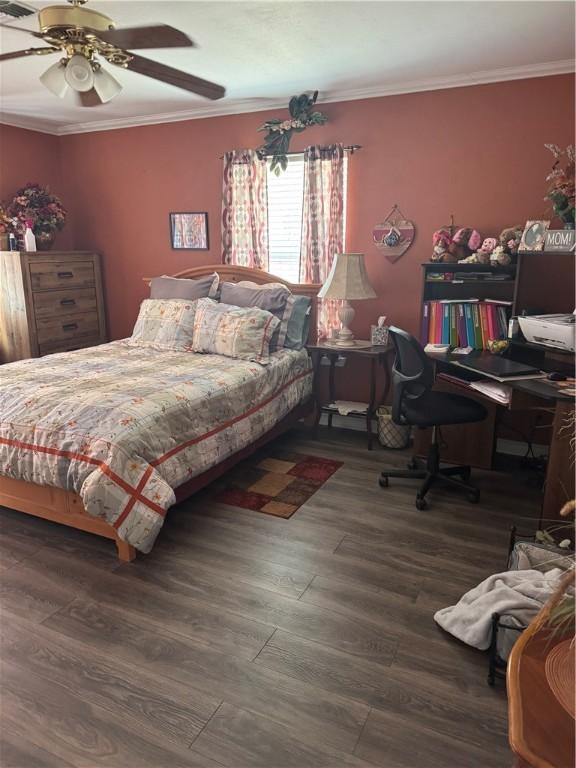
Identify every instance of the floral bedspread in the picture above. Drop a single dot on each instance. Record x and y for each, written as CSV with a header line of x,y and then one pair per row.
x,y
123,426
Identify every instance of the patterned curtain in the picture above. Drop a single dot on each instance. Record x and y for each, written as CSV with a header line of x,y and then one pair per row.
x,y
322,223
245,210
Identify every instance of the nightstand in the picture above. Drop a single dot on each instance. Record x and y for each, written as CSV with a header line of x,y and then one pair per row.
x,y
378,357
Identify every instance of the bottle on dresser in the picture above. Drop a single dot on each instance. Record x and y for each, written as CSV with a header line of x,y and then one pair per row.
x,y
29,239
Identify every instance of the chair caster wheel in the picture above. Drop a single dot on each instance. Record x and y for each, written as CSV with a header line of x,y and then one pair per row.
x,y
421,503
474,497
383,482
412,464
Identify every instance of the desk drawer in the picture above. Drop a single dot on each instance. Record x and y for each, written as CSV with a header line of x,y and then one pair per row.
x,y
49,275
57,303
55,330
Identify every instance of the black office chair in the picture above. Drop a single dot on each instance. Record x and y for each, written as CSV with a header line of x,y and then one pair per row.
x,y
417,405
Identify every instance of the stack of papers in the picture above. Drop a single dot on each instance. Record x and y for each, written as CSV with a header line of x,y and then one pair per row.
x,y
344,407
501,393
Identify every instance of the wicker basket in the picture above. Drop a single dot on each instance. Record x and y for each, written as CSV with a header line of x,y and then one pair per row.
x,y
391,435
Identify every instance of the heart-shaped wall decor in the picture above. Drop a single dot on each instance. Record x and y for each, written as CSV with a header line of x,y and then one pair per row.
x,y
394,235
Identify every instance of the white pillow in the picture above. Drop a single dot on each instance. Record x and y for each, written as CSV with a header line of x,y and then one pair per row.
x,y
165,324
240,332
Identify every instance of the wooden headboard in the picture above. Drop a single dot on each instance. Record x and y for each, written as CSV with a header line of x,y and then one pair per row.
x,y
233,274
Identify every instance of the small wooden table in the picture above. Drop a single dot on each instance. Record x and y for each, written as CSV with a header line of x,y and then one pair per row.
x,y
540,730
378,357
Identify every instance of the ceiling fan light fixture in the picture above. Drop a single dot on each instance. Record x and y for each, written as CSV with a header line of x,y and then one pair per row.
x,y
105,85
79,74
83,35
54,79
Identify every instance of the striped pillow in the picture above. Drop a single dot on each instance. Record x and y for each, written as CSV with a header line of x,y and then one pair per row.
x,y
294,315
240,332
274,297
165,324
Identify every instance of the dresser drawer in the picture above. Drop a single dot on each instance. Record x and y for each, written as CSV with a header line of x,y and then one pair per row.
x,y
57,303
69,327
69,345
50,275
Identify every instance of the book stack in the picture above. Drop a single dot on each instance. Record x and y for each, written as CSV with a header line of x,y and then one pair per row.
x,y
470,323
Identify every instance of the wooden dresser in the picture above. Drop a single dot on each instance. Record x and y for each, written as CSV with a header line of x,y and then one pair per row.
x,y
49,302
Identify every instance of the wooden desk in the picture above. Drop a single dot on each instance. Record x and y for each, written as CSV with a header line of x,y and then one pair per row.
x,y
480,438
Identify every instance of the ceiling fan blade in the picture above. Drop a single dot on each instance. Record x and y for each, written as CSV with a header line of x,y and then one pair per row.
x,y
27,52
175,77
156,36
22,29
88,98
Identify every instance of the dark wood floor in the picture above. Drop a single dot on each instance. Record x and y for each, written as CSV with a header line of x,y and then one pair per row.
x,y
244,640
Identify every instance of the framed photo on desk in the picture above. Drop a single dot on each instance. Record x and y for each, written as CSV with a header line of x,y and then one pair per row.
x,y
534,236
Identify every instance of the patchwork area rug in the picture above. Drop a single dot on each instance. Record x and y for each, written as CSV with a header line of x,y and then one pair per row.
x,y
276,482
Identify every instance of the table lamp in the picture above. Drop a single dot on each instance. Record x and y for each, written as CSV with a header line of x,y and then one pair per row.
x,y
347,280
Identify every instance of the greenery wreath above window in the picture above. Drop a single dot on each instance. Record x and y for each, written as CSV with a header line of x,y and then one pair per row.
x,y
277,140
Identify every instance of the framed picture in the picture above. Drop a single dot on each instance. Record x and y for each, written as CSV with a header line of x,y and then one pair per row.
x,y
533,236
189,231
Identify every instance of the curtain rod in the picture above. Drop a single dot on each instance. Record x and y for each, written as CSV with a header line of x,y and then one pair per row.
x,y
348,148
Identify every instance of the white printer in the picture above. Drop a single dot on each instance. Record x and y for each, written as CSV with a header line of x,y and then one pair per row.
x,y
557,331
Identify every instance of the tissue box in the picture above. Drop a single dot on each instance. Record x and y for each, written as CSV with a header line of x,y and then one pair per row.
x,y
379,335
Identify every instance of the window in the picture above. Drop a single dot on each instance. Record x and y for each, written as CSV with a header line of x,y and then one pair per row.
x,y
285,199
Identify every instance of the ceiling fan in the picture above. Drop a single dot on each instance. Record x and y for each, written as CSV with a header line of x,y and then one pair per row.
x,y
83,35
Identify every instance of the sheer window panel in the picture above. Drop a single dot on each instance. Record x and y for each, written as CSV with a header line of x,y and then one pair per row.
x,y
285,203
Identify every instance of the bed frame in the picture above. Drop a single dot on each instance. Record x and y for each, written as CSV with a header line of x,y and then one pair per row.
x,y
66,507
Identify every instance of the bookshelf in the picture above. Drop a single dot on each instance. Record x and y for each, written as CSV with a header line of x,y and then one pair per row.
x,y
462,285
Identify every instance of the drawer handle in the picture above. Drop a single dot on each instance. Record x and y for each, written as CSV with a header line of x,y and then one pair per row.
x,y
70,326
68,303
65,274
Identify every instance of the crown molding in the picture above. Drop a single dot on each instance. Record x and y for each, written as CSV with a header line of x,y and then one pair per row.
x,y
29,123
240,106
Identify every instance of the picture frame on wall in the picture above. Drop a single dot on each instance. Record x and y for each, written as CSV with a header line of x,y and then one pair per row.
x,y
533,236
189,231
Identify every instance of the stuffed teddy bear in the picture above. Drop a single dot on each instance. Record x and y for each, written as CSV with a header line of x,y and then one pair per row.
x,y
441,239
482,255
507,247
510,239
499,256
465,241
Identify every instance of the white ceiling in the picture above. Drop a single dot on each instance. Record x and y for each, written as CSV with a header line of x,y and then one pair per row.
x,y
264,52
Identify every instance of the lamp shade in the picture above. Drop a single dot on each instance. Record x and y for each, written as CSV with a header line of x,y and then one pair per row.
x,y
347,279
105,85
79,74
54,79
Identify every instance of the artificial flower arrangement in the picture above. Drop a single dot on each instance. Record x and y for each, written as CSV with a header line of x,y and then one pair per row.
x,y
561,189
8,226
277,140
36,204
6,223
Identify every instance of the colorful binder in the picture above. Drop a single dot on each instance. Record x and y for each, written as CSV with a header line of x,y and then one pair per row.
x,y
461,323
445,324
477,328
432,328
425,324
484,329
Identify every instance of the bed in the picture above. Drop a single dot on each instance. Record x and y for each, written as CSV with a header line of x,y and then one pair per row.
x,y
108,438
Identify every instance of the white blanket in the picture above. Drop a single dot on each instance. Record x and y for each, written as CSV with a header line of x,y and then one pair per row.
x,y
520,594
